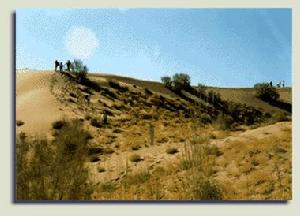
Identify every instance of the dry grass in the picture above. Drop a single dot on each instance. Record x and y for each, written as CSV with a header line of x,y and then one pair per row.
x,y
260,168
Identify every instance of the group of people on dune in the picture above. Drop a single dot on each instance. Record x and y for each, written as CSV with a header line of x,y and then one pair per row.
x,y
278,85
59,65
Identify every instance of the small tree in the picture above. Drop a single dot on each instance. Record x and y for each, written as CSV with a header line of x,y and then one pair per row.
x,y
266,92
80,69
167,81
181,81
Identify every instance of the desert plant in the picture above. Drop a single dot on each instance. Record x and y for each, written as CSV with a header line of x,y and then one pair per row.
x,y
280,116
198,160
80,70
204,188
20,123
137,178
266,92
101,169
45,170
205,118
181,81
135,158
172,150
167,81
224,122
135,147
58,124
96,123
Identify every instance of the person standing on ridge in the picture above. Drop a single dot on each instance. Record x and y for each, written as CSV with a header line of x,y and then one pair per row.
x,y
56,65
68,65
60,66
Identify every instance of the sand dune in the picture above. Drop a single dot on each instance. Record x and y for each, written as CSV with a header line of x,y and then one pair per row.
x,y
35,105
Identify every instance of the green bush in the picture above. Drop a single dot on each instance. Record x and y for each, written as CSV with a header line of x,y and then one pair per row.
x,y
181,81
205,118
167,81
266,92
80,70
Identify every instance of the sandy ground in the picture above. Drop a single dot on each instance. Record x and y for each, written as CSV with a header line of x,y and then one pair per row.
x,y
35,105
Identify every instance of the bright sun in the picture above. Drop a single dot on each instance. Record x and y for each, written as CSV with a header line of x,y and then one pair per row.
x,y
81,42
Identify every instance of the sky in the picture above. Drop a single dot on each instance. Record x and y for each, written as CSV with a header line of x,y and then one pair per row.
x,y
215,47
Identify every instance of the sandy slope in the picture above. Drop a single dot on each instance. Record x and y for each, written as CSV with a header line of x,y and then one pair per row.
x,y
35,105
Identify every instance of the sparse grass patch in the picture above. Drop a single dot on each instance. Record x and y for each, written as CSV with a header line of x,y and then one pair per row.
x,y
280,117
108,187
172,150
19,123
96,123
214,150
58,124
135,147
94,159
137,178
101,169
204,188
135,158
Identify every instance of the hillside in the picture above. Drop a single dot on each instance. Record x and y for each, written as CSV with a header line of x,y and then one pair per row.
x,y
237,95
152,137
247,95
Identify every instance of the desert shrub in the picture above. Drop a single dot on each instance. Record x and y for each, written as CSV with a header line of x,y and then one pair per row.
x,y
214,150
137,178
280,116
116,85
58,124
201,88
172,150
135,147
224,122
94,159
205,118
205,189
45,169
117,130
135,158
20,123
167,81
80,70
148,91
198,160
108,187
96,122
108,151
266,92
181,81
185,164
101,169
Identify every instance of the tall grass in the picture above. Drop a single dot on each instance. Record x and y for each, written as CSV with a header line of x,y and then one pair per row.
x,y
198,161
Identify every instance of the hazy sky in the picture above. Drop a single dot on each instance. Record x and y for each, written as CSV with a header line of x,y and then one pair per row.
x,y
219,47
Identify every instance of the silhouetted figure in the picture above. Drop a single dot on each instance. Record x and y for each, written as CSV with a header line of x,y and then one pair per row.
x,y
56,65
60,67
271,83
68,65
282,83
